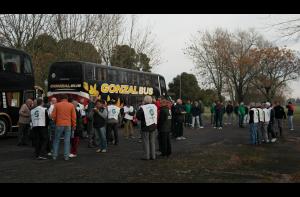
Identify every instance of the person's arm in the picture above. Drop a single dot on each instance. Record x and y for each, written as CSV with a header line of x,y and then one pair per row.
x,y
22,111
103,113
47,118
73,117
139,114
284,114
53,114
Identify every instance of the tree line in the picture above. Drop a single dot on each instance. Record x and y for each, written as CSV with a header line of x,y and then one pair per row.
x,y
242,64
109,39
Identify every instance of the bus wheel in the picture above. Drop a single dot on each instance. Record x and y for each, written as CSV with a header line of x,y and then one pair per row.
x,y
3,127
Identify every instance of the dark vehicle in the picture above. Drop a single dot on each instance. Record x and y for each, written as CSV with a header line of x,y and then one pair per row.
x,y
82,79
16,85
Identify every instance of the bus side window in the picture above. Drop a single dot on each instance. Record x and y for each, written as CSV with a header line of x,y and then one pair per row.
x,y
11,62
13,99
101,74
130,78
89,72
123,77
27,66
112,75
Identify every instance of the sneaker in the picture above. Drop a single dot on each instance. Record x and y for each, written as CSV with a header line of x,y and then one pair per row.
x,y
67,158
274,140
54,158
103,151
183,138
291,129
220,128
132,137
72,155
42,158
140,141
268,141
98,151
178,138
215,127
201,127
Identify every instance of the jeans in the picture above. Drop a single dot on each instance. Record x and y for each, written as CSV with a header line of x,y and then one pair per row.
x,y
149,144
212,119
74,145
290,122
67,137
270,129
188,119
197,121
102,135
253,133
165,143
264,131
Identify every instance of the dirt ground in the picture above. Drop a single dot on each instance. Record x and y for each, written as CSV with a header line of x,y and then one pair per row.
x,y
207,155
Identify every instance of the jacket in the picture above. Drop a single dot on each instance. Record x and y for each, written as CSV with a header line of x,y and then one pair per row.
x,y
279,112
165,118
195,111
64,114
24,114
179,116
290,108
100,118
229,109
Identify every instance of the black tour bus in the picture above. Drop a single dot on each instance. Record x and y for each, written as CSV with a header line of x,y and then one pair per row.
x,y
16,85
80,80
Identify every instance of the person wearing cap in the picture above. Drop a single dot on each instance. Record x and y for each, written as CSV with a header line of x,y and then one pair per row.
x,y
253,121
113,113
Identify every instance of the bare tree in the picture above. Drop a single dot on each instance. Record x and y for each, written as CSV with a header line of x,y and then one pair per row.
x,y
288,26
109,29
204,50
17,29
143,40
278,66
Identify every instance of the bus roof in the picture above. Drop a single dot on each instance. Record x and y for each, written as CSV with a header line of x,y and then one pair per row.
x,y
13,49
112,67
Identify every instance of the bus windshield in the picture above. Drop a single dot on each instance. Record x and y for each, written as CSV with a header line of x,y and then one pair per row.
x,y
65,71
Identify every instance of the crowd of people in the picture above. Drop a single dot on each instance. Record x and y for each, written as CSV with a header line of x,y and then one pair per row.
x,y
46,123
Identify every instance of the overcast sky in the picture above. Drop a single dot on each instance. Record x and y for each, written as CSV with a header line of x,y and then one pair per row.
x,y
173,31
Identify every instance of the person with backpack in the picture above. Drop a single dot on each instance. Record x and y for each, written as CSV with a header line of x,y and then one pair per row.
x,y
290,114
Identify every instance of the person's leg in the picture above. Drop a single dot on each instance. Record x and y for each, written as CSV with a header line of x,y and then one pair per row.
x,y
26,134
152,145
72,151
109,137
280,127
36,142
289,121
180,129
44,141
193,121
116,135
197,122
292,122
67,138
251,127
162,143
200,120
168,144
126,127
131,128
216,120
56,141
176,129
20,134
221,120
255,133
146,146
103,142
91,133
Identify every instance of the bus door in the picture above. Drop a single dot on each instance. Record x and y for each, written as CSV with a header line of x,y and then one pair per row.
x,y
13,104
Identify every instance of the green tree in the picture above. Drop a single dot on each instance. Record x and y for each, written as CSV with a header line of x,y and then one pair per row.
x,y
144,63
189,86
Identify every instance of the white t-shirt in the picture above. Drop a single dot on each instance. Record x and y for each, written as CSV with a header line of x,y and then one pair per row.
x,y
50,110
128,110
38,117
113,112
81,109
150,113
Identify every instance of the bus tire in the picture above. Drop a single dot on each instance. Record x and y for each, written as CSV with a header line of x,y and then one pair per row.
x,y
3,127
